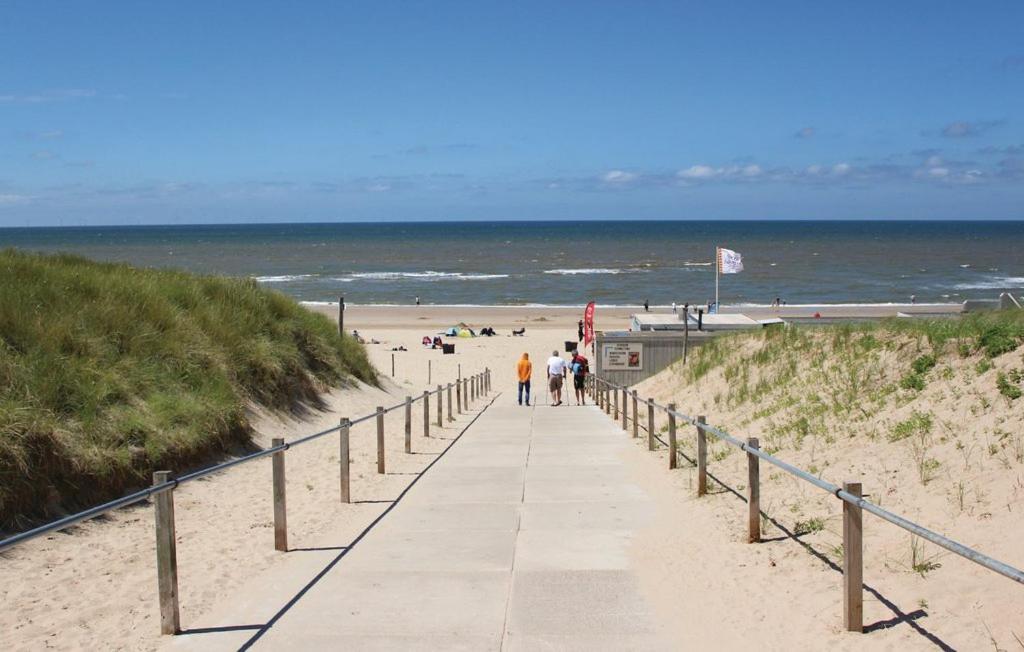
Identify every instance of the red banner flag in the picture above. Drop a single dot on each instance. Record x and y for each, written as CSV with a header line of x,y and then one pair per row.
x,y
588,324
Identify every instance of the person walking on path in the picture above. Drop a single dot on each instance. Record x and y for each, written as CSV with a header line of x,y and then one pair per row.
x,y
579,367
556,374
524,370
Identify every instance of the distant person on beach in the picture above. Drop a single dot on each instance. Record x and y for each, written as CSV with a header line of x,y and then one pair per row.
x,y
524,370
579,331
556,374
673,306
647,306
579,367
913,299
417,301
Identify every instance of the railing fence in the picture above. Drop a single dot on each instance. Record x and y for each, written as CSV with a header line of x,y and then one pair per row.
x,y
606,396
164,484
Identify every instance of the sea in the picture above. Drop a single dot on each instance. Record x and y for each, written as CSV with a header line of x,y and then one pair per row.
x,y
570,263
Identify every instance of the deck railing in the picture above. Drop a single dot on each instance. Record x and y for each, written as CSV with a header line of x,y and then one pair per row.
x,y
607,394
467,389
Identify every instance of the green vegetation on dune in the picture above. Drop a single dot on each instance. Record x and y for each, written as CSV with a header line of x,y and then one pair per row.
x,y
108,372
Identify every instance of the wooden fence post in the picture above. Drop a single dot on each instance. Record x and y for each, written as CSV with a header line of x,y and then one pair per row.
x,y
392,365
430,371
166,556
380,439
753,493
702,458
345,460
408,424
853,562
615,398
465,391
636,416
650,424
280,504
672,449
440,407
426,413
625,409
458,395
450,417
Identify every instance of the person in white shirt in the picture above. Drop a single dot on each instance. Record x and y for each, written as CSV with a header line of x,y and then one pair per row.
x,y
556,374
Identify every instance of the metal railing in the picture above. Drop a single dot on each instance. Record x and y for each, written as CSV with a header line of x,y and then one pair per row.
x,y
606,394
467,389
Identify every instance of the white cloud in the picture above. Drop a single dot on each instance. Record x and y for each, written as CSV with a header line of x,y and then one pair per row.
x,y
618,176
11,199
698,172
43,97
752,171
840,169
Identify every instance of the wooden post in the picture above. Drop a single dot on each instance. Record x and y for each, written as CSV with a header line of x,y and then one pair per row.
x,y
408,424
345,461
380,439
465,392
166,556
702,458
672,449
458,395
426,413
450,417
440,407
650,424
280,506
636,416
625,410
753,493
615,398
472,387
392,365
853,562
430,371
341,316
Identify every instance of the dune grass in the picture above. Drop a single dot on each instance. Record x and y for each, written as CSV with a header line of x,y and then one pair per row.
x,y
108,372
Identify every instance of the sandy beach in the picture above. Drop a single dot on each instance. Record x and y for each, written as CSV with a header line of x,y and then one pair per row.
x,y
94,585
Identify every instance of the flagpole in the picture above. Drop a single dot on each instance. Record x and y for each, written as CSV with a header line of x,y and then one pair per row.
x,y
718,265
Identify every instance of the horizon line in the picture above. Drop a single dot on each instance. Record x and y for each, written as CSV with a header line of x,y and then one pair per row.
x,y
511,221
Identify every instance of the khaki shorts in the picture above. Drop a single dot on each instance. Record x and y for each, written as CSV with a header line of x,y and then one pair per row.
x,y
555,382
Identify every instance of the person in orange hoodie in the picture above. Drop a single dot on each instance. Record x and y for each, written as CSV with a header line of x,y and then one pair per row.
x,y
524,369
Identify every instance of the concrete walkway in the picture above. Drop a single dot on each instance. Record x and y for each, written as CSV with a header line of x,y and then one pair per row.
x,y
517,539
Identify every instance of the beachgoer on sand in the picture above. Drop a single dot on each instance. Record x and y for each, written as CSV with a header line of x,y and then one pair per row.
x,y
647,306
524,369
673,306
417,301
579,367
556,374
579,331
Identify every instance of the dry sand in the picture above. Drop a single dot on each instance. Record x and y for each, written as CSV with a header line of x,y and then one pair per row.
x,y
94,585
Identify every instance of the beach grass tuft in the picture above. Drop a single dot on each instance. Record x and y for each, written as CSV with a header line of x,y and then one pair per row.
x,y
108,372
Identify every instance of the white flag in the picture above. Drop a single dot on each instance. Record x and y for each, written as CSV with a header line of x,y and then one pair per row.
x,y
729,261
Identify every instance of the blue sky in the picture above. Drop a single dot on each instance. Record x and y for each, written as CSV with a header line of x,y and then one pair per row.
x,y
129,112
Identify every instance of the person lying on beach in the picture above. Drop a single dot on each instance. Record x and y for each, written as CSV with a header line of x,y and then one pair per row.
x,y
521,331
